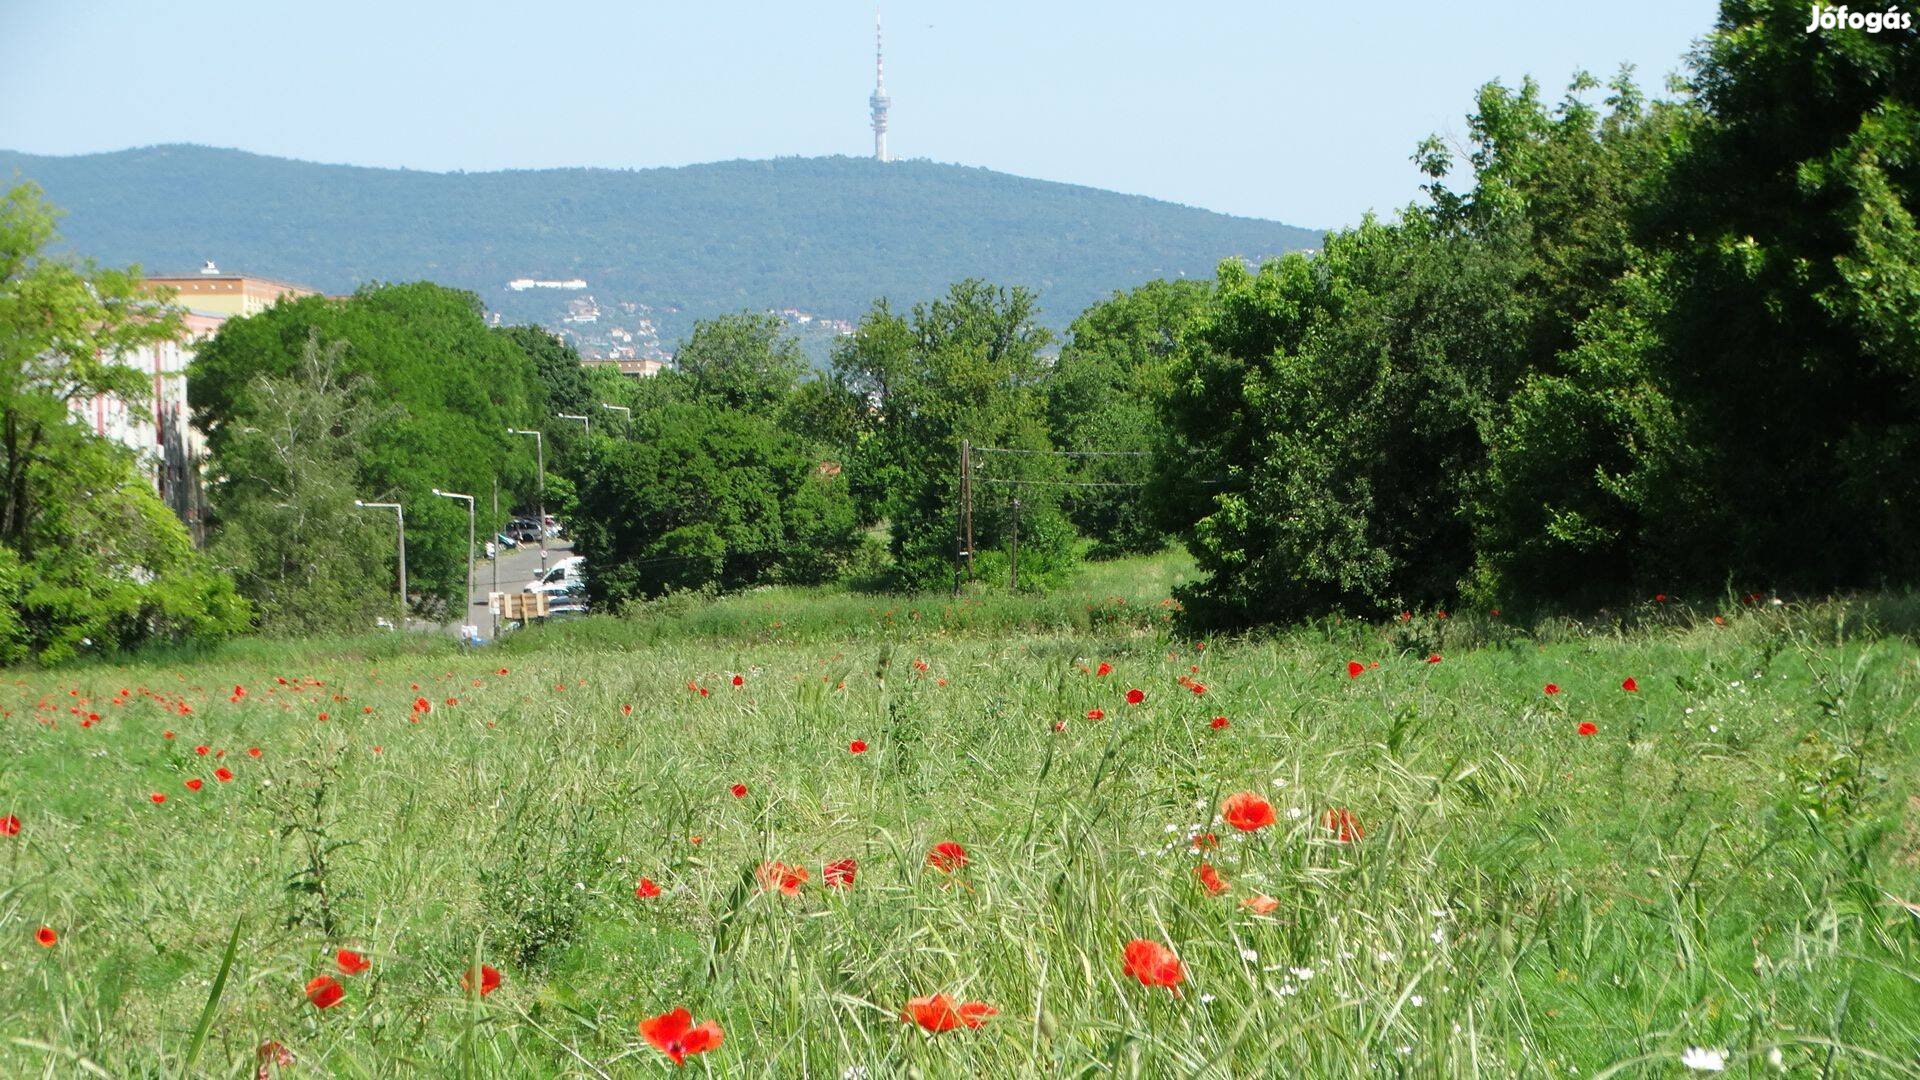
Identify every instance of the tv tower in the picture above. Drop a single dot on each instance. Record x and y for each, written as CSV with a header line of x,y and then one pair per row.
x,y
879,101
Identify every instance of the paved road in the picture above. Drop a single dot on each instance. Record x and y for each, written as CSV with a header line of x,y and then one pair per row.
x,y
516,568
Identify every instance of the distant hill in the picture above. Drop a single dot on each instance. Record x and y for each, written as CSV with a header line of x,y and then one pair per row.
x,y
824,235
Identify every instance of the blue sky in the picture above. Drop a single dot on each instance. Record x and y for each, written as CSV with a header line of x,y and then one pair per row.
x,y
1301,112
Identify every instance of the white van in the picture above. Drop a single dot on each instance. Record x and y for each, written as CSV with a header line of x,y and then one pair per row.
x,y
559,576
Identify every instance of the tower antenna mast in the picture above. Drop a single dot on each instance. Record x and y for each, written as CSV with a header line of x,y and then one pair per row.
x,y
879,102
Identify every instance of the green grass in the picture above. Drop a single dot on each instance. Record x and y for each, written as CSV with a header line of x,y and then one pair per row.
x,y
1719,866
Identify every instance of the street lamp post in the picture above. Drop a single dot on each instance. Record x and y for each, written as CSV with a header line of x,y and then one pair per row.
x,y
494,562
587,420
540,452
467,604
625,410
400,517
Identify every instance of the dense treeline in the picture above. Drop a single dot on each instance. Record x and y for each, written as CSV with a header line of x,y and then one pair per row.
x,y
1621,346
1651,347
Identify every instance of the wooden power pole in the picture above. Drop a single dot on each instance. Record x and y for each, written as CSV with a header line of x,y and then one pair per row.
x,y
1013,558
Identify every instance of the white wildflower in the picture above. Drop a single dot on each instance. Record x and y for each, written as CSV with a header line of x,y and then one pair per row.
x,y
1249,955
1702,1060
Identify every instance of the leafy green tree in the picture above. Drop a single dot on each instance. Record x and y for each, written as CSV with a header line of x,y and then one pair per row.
x,y
1326,421
1104,400
309,561
1744,406
563,385
425,349
745,361
705,497
90,558
966,366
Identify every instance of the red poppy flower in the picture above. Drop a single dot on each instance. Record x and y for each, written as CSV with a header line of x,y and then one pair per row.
x,y
1588,727
675,1035
857,746
1210,878
325,991
1434,659
223,774
453,701
781,877
1153,963
239,692
1343,825
1659,598
9,826
1629,685
194,783
157,798
1261,904
947,856
1135,697
941,1013
1354,668
739,680
203,751
1247,811
502,671
351,963
1104,669
45,936
647,889
1096,714
839,875
626,710
739,791
422,705
166,734
1218,722
489,980
1552,688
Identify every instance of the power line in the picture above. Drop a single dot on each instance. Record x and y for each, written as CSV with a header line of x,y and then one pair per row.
x,y
1065,483
1065,453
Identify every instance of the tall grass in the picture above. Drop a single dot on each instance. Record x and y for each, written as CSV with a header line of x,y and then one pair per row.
x,y
1720,866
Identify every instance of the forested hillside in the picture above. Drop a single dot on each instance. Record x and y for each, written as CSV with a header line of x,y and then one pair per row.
x,y
826,235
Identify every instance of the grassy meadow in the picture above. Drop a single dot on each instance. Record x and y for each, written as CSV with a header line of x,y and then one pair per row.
x,y
1721,866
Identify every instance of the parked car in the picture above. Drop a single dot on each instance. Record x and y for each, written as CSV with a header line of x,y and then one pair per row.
x,y
566,570
524,530
507,543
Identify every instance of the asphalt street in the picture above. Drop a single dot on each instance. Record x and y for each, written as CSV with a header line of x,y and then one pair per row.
x,y
515,569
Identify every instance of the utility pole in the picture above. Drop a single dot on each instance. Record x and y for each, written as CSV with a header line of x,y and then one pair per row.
x,y
400,516
962,553
966,503
540,463
1013,559
493,632
466,605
